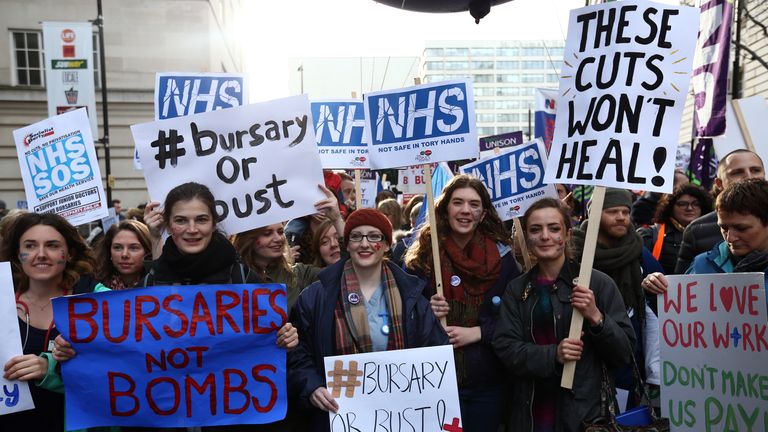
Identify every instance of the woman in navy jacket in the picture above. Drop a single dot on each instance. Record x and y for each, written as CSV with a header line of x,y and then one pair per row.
x,y
392,313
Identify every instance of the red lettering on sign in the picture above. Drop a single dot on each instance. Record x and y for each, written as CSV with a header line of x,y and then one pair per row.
x,y
142,318
114,394
85,316
273,388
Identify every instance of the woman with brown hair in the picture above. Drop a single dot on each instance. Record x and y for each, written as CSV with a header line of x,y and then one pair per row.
x,y
122,253
476,262
48,259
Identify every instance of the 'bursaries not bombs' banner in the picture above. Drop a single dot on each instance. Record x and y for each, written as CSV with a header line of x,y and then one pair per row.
x,y
59,168
624,81
421,124
340,133
174,356
514,178
260,160
714,352
415,387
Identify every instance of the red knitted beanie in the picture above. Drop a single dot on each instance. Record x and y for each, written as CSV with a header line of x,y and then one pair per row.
x,y
370,217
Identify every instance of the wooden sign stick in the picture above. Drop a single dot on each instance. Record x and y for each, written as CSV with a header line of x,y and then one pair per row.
x,y
585,275
358,190
520,237
743,125
438,273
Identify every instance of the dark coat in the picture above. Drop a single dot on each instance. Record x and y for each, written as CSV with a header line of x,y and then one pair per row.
x,y
513,342
670,244
313,316
699,236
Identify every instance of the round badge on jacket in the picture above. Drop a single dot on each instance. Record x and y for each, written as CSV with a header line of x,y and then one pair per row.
x,y
455,280
353,298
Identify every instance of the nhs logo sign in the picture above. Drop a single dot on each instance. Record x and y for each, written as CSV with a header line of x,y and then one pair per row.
x,y
181,94
422,124
340,133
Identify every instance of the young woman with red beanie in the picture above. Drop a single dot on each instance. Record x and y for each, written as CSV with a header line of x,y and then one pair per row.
x,y
360,304
476,262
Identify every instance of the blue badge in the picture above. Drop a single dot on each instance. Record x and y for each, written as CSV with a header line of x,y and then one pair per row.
x,y
353,298
455,280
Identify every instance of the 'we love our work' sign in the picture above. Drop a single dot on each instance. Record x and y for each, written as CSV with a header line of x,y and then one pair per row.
x,y
176,356
413,389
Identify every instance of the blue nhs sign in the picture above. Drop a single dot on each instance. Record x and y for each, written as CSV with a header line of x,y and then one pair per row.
x,y
339,123
419,113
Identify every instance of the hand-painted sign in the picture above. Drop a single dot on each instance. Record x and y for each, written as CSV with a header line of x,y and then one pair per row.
x,y
15,395
174,356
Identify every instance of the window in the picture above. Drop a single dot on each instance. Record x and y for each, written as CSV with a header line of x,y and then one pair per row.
x,y
508,118
456,65
482,65
507,65
433,52
457,52
534,51
484,91
482,52
501,78
434,65
434,78
507,52
552,78
486,131
533,78
507,91
486,104
483,78
556,52
507,104
486,118
533,64
97,61
28,58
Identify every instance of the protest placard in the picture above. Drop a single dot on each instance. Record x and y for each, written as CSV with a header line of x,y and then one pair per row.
x,y
260,160
490,144
514,178
369,188
179,94
411,180
421,124
340,133
413,389
59,168
15,394
714,352
69,63
183,93
544,115
624,79
174,356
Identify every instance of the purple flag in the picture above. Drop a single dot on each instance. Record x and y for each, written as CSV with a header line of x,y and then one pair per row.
x,y
703,165
710,68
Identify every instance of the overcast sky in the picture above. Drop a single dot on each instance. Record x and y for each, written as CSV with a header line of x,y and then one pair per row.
x,y
281,29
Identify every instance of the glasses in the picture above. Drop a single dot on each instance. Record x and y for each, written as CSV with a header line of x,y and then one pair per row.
x,y
356,237
686,204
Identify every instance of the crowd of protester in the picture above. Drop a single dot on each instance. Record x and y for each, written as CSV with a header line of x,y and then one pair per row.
x,y
364,280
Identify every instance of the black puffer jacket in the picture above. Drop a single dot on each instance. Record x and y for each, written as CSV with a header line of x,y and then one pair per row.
x,y
699,236
670,244
513,342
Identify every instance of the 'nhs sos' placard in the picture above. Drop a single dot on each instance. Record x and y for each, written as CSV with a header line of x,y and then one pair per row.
x,y
421,124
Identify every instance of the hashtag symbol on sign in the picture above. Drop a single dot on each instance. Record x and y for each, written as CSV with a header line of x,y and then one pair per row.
x,y
167,148
344,378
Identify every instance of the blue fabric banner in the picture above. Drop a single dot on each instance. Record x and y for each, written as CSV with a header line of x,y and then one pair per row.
x,y
174,356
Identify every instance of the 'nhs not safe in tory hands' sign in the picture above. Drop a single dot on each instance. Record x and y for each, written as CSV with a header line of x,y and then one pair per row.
x,y
340,133
421,124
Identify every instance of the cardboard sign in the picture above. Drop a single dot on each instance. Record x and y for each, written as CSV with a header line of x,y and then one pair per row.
x,y
624,80
714,352
514,178
59,168
15,394
69,69
179,94
414,388
340,134
421,124
177,356
490,143
369,188
260,160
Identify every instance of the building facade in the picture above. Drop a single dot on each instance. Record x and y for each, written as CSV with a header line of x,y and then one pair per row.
x,y
505,76
142,37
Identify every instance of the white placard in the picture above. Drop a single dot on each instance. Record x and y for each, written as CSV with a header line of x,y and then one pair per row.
x,y
413,386
69,69
754,110
514,178
369,188
623,87
15,394
340,133
412,180
421,124
714,352
59,167
260,160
